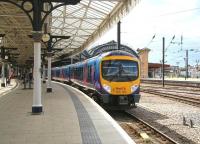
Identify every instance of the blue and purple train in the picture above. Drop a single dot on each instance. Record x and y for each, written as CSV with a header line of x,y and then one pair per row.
x,y
112,79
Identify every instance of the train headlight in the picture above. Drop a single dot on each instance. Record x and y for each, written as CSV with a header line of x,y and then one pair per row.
x,y
107,88
133,88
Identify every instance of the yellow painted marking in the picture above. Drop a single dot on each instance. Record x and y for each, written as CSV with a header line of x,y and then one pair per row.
x,y
144,136
120,58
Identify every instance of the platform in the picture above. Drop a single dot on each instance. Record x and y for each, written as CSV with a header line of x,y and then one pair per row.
x,y
69,117
8,88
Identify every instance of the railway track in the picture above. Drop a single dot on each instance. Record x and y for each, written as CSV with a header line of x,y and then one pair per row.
x,y
139,130
193,99
193,84
184,93
179,89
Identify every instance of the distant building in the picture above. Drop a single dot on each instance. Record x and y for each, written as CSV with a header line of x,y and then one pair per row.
x,y
143,54
193,72
155,70
174,71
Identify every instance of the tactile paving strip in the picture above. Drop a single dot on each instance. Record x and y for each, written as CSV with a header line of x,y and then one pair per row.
x,y
88,131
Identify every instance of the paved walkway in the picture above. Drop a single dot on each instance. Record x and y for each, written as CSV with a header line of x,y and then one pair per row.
x,y
8,88
19,126
61,122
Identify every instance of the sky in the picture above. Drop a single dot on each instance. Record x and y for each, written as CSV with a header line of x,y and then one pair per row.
x,y
162,18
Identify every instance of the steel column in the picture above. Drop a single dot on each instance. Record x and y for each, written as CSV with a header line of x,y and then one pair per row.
x,y
186,65
118,35
8,74
163,63
43,74
49,88
3,75
37,104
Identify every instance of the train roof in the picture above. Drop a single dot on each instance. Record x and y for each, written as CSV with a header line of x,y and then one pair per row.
x,y
118,52
109,47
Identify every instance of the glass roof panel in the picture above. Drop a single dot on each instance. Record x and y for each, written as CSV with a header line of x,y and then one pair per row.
x,y
85,20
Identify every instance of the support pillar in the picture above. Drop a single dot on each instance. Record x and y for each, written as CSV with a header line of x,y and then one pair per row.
x,y
186,65
118,35
163,63
3,75
43,74
37,105
8,74
49,88
71,60
18,72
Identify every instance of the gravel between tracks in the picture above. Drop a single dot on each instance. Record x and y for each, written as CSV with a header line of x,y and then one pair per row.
x,y
167,116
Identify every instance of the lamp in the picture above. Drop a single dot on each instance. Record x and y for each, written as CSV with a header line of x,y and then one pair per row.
x,y
6,57
27,5
45,37
1,38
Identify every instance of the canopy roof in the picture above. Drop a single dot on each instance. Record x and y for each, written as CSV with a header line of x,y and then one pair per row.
x,y
84,23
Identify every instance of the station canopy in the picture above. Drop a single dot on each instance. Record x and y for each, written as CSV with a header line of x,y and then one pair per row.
x,y
84,23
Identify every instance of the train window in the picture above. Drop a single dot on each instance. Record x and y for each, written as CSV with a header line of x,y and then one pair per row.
x,y
58,73
81,73
89,79
70,72
78,73
120,70
94,72
75,71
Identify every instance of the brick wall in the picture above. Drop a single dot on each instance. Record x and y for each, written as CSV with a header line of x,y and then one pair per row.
x,y
143,54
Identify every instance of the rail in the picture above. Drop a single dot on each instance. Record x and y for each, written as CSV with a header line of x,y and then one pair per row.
x,y
173,82
139,130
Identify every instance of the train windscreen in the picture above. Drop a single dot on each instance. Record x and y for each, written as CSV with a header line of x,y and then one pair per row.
x,y
120,70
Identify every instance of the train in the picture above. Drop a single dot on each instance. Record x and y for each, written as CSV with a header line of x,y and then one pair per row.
x,y
112,78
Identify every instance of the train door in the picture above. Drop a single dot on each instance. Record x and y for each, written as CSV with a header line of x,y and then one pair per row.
x,y
85,74
65,73
62,73
92,73
89,74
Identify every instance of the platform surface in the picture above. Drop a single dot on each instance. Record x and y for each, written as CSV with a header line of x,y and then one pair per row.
x,y
69,117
